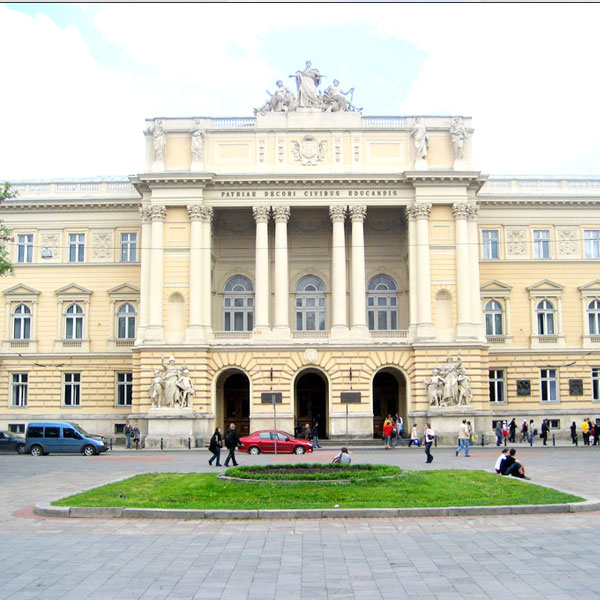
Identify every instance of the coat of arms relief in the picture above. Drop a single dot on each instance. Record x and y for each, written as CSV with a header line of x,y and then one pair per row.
x,y
309,151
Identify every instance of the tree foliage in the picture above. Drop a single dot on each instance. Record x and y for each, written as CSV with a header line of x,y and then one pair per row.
x,y
6,268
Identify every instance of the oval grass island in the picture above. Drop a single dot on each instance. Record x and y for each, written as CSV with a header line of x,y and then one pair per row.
x,y
356,490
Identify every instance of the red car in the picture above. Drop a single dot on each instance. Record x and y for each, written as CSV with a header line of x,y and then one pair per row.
x,y
264,441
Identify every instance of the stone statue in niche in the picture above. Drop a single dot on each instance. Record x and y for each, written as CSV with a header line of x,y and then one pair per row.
x,y
449,385
421,141
172,387
458,134
159,140
281,101
197,142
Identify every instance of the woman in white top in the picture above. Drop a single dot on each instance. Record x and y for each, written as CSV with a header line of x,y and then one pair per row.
x,y
429,436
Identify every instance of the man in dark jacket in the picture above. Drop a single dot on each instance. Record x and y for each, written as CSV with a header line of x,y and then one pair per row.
x,y
232,441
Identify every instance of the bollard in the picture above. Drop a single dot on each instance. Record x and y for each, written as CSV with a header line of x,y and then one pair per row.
x,y
189,444
531,439
161,443
553,440
435,442
482,441
111,444
576,440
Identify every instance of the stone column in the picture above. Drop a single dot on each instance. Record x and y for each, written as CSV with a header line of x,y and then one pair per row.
x,y
205,275
463,280
261,277
145,265
281,215
194,329
425,329
412,270
154,330
476,310
339,319
358,290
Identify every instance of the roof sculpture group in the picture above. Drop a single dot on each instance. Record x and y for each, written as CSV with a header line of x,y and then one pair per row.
x,y
333,99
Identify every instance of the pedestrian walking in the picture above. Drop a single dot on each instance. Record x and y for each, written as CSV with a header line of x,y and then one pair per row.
x,y
498,432
315,435
232,441
215,445
128,430
585,432
137,436
512,431
307,432
387,433
414,437
545,430
574,433
399,430
532,431
524,432
428,437
464,438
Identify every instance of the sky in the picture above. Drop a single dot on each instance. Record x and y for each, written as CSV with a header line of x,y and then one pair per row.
x,y
79,79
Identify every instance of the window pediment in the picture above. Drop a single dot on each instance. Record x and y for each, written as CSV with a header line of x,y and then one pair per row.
x,y
21,290
495,288
590,289
73,289
125,289
545,288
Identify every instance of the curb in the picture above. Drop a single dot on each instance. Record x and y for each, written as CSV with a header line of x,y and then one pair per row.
x,y
106,512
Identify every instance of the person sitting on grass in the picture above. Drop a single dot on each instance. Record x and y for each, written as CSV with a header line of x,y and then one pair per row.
x,y
342,457
515,467
500,466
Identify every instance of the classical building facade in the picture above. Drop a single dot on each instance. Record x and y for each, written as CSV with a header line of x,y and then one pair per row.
x,y
302,265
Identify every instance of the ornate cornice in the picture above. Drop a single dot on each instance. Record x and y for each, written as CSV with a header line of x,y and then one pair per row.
x,y
358,213
71,205
261,213
281,214
337,213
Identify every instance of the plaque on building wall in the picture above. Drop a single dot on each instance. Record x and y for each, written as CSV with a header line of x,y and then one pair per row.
x,y
575,387
350,397
271,398
523,387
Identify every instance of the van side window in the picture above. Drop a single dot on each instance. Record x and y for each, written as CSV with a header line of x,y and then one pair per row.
x,y
70,434
35,431
52,432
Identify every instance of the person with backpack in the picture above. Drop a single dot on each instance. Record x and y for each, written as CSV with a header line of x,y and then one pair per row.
x,y
232,441
215,445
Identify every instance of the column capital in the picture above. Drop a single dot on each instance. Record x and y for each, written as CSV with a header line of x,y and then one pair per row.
x,y
261,213
337,213
418,211
157,212
206,214
281,214
473,212
358,213
145,214
195,211
460,210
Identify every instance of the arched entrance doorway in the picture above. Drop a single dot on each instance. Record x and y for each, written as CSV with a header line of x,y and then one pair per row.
x,y
311,392
389,398
233,401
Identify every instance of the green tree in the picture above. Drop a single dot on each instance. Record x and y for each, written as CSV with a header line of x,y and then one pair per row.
x,y
6,268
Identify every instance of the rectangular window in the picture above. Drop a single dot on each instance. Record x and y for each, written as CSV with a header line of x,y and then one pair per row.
x,y
549,385
596,384
124,389
591,239
17,427
18,389
76,247
25,247
128,247
541,243
490,243
496,378
72,389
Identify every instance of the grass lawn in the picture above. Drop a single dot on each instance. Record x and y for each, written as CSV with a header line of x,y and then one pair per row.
x,y
411,489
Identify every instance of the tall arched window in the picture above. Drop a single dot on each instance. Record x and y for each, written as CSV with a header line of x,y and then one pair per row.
x,y
493,318
126,322
593,311
310,304
545,318
238,304
22,322
74,322
382,303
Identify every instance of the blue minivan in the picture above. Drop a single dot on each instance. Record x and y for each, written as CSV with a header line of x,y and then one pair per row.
x,y
46,437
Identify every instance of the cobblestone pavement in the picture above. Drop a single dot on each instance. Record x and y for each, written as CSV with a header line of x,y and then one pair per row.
x,y
508,557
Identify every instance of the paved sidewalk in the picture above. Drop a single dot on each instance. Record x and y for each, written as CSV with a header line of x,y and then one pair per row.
x,y
520,556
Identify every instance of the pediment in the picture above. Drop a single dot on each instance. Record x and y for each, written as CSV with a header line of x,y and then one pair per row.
x,y
126,289
545,285
73,289
495,286
592,286
21,290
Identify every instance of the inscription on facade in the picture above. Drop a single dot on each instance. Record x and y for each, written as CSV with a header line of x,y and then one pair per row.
x,y
364,193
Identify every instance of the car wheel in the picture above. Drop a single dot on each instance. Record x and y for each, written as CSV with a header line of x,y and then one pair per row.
x,y
89,450
20,448
254,450
299,450
36,450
